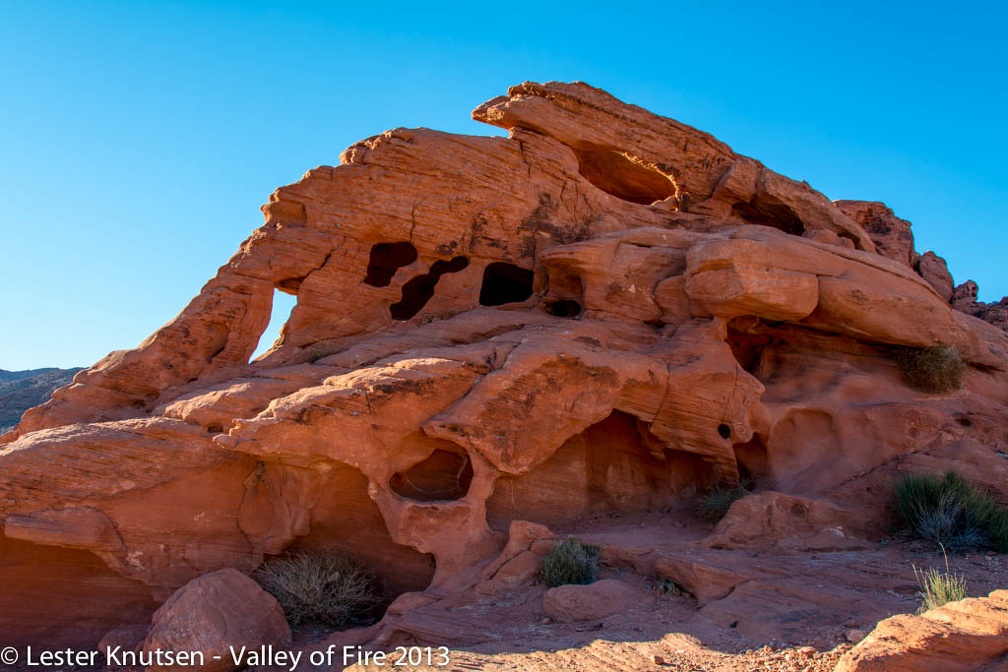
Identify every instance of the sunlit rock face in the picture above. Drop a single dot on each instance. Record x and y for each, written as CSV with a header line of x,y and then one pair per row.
x,y
605,312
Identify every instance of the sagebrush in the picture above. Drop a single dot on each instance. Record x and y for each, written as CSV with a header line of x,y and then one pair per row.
x,y
951,512
934,370
570,561
330,588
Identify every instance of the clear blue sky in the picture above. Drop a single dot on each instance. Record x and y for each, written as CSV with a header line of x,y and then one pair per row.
x,y
138,139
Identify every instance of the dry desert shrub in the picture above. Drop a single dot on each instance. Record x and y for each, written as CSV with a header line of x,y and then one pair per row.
x,y
934,370
570,561
330,588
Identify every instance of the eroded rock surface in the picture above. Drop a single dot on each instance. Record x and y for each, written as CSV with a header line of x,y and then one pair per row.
x,y
964,635
605,313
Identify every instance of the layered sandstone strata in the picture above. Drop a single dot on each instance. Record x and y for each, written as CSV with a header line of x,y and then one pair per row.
x,y
605,312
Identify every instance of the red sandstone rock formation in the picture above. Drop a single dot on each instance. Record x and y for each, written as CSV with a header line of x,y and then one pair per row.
x,y
964,635
606,312
964,298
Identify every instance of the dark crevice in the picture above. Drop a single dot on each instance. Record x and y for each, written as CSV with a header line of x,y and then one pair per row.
x,y
563,308
419,290
444,476
385,260
766,211
724,431
747,342
505,283
620,176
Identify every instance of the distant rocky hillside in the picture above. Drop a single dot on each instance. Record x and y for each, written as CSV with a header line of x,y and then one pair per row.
x,y
20,390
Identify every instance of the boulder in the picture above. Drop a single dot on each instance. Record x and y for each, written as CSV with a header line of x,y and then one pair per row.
x,y
776,519
594,601
703,580
215,614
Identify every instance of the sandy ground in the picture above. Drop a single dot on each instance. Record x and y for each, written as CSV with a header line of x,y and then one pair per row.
x,y
799,611
796,611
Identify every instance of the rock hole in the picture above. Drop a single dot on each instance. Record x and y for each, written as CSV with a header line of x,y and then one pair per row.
x,y
419,290
622,177
563,308
724,431
283,305
766,211
215,428
346,519
505,283
747,342
444,476
385,260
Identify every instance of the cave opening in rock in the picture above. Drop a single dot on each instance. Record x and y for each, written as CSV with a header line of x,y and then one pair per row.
x,y
385,260
613,467
747,340
419,290
284,302
768,211
563,308
445,475
622,177
724,431
344,519
505,283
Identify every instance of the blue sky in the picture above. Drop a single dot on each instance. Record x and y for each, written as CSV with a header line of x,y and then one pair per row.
x,y
138,139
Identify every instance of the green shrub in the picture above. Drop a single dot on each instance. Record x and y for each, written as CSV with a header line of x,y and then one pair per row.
x,y
934,370
570,561
939,588
329,588
951,512
714,504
